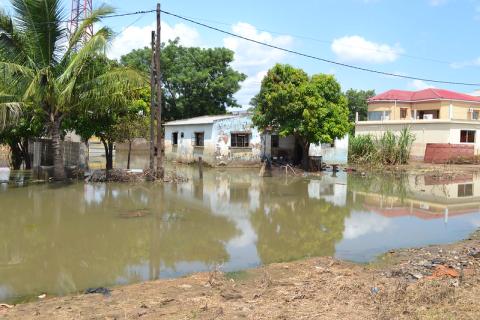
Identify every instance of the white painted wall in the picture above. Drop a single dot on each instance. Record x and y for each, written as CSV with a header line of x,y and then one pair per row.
x,y
424,131
217,148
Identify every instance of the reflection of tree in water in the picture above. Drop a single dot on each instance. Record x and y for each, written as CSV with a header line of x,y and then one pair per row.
x,y
53,240
291,226
185,232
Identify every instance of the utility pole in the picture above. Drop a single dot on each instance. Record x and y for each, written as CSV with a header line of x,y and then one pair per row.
x,y
152,107
160,170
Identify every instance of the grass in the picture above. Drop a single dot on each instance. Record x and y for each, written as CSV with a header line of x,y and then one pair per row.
x,y
388,149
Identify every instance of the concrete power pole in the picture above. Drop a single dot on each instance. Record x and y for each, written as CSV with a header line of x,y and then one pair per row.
x,y
152,107
160,169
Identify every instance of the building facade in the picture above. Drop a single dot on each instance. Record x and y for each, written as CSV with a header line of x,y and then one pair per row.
x,y
439,119
233,140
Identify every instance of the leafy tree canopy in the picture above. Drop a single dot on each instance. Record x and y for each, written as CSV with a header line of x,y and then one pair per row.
x,y
195,81
313,109
357,102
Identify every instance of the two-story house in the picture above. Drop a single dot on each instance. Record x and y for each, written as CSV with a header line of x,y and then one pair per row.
x,y
446,124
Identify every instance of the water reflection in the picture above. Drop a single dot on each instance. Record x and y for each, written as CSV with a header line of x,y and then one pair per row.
x,y
64,239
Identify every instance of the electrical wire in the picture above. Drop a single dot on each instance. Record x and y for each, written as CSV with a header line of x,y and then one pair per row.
x,y
303,37
317,58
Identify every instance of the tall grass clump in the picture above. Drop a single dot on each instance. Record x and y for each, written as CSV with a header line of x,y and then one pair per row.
x,y
388,149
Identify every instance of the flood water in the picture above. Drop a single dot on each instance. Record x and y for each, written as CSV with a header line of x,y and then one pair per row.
x,y
60,239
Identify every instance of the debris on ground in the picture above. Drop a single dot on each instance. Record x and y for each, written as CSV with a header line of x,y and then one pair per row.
x,y
100,290
435,282
132,176
4,308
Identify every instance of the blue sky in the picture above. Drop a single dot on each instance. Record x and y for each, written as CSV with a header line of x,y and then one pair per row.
x,y
436,39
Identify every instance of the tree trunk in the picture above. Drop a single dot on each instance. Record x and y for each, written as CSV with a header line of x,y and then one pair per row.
x,y
58,163
16,157
108,146
129,152
26,155
305,156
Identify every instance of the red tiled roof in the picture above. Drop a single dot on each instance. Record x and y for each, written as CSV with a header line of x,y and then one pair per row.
x,y
426,94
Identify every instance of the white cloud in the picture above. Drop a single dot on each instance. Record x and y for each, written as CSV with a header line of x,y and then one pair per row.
x,y
358,49
253,59
135,37
463,64
364,223
436,3
419,85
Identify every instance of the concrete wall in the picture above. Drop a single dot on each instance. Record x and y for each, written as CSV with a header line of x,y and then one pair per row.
x,y
425,131
459,109
225,153
217,149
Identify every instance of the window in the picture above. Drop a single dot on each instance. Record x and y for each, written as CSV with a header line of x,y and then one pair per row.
x,y
378,115
475,115
240,140
199,139
174,138
467,136
428,114
403,113
181,135
465,190
275,141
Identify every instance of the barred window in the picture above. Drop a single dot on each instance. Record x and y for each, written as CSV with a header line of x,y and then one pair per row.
x,y
240,140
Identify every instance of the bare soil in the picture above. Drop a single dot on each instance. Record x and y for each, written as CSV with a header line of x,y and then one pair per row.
x,y
436,282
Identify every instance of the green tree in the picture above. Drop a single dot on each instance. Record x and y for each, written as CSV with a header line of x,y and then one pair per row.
x,y
313,109
53,69
135,124
357,102
103,119
17,134
195,81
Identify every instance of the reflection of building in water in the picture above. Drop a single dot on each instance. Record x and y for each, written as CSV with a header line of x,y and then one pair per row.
x,y
329,188
426,197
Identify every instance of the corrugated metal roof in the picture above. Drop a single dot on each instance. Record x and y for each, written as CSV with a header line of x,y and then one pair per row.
x,y
200,120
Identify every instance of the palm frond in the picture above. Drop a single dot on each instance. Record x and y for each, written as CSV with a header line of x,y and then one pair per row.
x,y
41,20
96,45
9,112
95,17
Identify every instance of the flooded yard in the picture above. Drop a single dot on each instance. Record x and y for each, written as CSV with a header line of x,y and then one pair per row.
x,y
58,239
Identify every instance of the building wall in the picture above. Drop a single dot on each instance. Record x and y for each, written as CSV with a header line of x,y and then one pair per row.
x,y
185,151
217,149
226,154
460,110
425,131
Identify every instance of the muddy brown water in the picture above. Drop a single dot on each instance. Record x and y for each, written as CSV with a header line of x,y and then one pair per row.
x,y
59,239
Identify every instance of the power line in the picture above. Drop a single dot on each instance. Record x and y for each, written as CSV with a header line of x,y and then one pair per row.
x,y
318,58
324,41
118,15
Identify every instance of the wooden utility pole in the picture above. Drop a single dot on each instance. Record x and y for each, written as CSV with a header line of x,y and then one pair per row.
x,y
160,171
152,107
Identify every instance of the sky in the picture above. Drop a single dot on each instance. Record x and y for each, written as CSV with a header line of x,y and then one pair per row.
x,y
434,39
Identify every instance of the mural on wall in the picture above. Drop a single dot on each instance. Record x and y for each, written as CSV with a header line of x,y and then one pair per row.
x,y
249,147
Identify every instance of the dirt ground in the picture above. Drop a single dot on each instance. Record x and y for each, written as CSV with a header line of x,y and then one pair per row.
x,y
436,282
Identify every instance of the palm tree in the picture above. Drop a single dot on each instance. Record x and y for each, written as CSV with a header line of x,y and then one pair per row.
x,y
53,68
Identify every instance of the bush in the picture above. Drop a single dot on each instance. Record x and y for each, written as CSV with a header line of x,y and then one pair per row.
x,y
388,149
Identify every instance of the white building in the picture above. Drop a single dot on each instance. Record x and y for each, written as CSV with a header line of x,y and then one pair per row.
x,y
234,140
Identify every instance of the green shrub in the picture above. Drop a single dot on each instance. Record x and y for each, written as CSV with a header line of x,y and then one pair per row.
x,y
388,149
